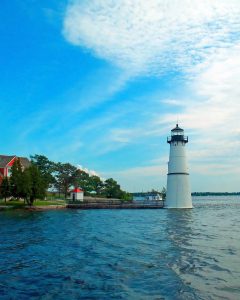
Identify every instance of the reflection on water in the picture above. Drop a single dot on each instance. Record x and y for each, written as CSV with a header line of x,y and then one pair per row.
x,y
122,254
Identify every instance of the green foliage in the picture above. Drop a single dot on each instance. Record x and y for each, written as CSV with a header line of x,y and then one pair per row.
x,y
26,185
5,188
16,179
46,168
97,186
65,177
112,189
37,184
82,179
126,196
164,192
43,174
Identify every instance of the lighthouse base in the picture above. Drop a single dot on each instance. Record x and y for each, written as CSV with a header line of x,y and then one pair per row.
x,y
178,191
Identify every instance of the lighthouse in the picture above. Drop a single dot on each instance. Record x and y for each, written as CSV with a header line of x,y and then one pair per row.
x,y
178,184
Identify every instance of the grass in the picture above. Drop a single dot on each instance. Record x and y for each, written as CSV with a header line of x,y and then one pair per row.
x,y
20,203
48,202
13,204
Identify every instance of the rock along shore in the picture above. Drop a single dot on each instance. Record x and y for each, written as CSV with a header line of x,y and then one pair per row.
x,y
93,203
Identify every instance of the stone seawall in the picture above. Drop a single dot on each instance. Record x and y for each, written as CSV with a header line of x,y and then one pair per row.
x,y
111,203
101,200
113,206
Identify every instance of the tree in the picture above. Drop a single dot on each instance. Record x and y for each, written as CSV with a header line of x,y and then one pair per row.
x,y
164,192
112,188
82,179
5,188
65,177
126,196
26,186
15,179
96,185
45,167
37,185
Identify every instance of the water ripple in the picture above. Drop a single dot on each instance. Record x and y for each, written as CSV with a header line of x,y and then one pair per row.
x,y
122,254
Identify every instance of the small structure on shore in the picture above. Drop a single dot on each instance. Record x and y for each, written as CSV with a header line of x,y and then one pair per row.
x,y
178,184
147,196
77,194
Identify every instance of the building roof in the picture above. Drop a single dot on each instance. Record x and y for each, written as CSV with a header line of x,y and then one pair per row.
x,y
25,162
5,160
177,128
77,190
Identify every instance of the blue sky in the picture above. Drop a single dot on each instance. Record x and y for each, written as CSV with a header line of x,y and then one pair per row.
x,y
101,83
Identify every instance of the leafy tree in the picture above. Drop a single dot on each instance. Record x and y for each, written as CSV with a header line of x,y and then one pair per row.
x,y
26,185
164,192
96,185
37,184
15,179
65,177
82,179
112,188
45,167
5,188
126,196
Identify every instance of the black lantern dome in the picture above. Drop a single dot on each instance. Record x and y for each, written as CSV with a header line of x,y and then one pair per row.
x,y
177,135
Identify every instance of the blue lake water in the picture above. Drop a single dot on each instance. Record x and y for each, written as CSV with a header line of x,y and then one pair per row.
x,y
123,254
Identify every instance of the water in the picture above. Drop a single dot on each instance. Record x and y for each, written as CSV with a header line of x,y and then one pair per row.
x,y
122,254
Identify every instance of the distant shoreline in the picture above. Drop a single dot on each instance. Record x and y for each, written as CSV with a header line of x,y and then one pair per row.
x,y
216,194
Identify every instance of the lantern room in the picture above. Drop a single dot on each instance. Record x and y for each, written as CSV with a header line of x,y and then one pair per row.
x,y
177,135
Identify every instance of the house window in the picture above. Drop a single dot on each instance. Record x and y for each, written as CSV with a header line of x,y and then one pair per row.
x,y
9,172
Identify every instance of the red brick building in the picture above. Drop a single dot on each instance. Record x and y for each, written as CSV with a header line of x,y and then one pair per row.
x,y
6,162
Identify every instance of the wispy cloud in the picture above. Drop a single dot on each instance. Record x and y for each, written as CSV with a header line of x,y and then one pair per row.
x,y
88,171
201,39
151,36
211,119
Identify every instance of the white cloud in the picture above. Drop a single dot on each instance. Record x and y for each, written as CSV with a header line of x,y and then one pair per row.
x,y
213,120
149,36
88,171
174,102
201,38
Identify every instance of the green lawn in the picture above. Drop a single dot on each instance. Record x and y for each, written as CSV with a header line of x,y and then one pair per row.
x,y
21,204
49,202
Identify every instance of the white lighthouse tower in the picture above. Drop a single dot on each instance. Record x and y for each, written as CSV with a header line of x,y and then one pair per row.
x,y
178,184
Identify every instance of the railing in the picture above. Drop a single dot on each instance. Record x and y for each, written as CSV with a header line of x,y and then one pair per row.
x,y
177,138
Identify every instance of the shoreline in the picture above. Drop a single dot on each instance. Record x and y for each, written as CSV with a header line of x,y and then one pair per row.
x,y
87,203
114,206
85,206
32,208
